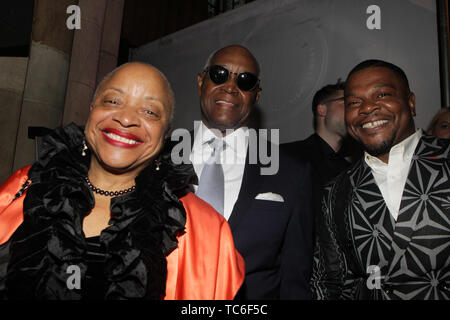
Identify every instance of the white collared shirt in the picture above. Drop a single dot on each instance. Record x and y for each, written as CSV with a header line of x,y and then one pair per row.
x,y
232,159
391,177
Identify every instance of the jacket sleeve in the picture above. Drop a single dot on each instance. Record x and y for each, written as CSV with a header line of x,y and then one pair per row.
x,y
296,255
231,266
205,265
11,215
329,266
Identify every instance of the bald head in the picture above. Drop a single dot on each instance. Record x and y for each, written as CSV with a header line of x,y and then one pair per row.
x,y
233,49
137,69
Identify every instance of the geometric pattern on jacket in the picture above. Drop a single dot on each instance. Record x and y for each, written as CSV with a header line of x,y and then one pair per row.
x,y
356,231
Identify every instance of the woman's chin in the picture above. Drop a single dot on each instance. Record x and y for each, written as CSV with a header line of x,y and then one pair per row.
x,y
119,166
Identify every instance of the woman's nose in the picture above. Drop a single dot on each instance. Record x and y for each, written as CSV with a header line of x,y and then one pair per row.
x,y
127,117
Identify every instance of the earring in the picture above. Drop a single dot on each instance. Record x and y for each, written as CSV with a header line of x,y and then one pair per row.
x,y
85,147
157,164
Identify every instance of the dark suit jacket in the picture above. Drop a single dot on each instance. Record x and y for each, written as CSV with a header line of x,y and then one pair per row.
x,y
326,164
275,238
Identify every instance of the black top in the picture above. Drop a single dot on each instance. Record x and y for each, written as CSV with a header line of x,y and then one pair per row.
x,y
130,263
94,285
326,163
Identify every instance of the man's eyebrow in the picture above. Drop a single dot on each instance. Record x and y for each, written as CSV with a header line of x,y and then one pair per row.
x,y
152,98
374,88
385,85
115,89
332,100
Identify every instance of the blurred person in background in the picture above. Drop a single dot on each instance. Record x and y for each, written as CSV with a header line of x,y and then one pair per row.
x,y
440,124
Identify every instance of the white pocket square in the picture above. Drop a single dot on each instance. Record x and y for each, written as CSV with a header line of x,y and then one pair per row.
x,y
269,196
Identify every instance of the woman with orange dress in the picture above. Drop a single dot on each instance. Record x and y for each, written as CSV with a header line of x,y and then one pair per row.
x,y
105,213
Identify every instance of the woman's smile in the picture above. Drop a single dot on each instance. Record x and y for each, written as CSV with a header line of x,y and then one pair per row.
x,y
121,139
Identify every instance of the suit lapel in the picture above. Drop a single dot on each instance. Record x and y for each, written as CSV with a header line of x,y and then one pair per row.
x,y
371,220
249,188
252,179
422,176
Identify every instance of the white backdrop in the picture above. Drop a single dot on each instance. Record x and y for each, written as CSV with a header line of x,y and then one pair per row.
x,y
301,46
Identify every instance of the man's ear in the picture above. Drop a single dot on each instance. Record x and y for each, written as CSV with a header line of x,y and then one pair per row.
x,y
322,110
412,103
258,94
199,83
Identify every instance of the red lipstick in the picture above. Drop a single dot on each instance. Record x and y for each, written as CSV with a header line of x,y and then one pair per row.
x,y
121,134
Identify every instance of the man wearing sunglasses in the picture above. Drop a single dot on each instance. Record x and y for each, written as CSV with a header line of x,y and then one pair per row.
x,y
270,215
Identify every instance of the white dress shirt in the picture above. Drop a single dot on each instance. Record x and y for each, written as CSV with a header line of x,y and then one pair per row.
x,y
391,177
232,159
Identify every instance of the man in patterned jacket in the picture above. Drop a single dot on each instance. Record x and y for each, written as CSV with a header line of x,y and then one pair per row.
x,y
384,231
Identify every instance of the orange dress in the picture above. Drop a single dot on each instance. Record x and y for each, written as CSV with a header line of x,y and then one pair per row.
x,y
204,266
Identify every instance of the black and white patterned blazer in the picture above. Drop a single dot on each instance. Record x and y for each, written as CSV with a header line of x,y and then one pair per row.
x,y
356,234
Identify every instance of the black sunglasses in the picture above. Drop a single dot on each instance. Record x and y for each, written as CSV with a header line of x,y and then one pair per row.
x,y
246,81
